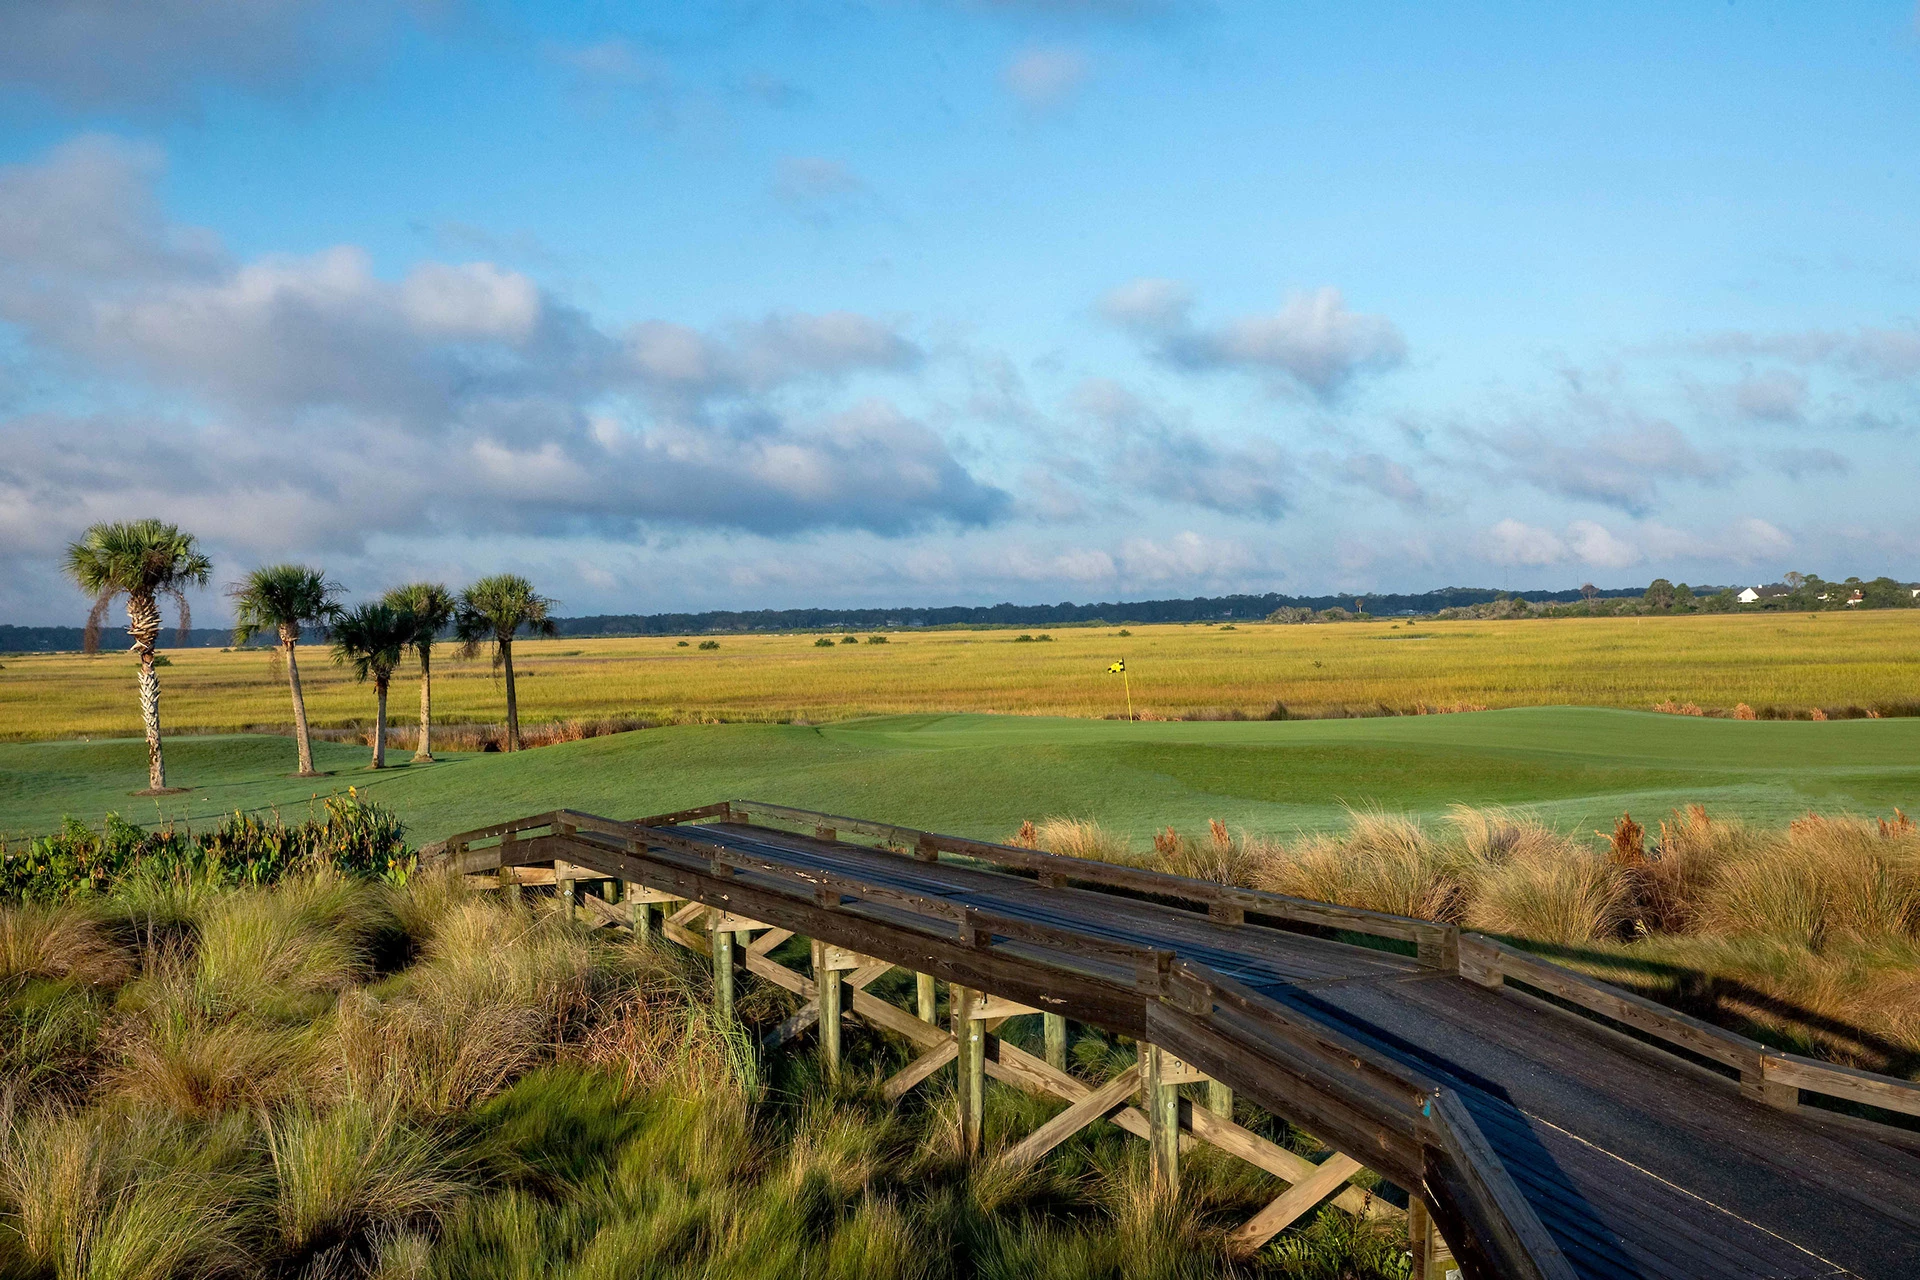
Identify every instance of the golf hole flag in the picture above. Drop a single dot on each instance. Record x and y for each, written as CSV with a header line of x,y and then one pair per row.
x,y
1120,669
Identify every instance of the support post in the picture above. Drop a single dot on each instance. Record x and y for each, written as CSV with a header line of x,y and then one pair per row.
x,y
1054,1025
923,996
1219,1099
639,911
971,1036
828,991
563,886
512,884
723,974
1163,1120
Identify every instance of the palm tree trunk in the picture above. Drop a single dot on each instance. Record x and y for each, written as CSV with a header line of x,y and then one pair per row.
x,y
299,707
513,705
143,625
424,753
380,723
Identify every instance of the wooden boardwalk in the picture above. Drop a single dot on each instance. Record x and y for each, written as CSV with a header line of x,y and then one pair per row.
x,y
1545,1124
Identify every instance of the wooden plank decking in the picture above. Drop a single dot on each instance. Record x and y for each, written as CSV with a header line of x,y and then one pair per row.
x,y
1634,1163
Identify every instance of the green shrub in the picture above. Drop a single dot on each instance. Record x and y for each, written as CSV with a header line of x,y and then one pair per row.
x,y
350,835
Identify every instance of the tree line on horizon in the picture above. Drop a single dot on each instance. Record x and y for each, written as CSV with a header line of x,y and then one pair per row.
x,y
148,560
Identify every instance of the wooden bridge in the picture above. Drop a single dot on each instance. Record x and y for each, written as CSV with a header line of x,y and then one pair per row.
x,y
1542,1124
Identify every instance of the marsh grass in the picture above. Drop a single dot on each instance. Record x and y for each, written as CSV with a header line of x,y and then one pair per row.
x,y
1787,666
341,1079
1807,936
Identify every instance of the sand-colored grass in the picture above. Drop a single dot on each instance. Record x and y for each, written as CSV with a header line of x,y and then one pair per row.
x,y
1796,663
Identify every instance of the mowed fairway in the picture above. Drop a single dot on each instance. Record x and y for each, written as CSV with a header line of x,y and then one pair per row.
x,y
981,775
1795,661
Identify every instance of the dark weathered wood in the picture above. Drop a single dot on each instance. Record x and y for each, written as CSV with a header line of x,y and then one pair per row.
x,y
1435,938
1502,1224
1794,1071
1638,1012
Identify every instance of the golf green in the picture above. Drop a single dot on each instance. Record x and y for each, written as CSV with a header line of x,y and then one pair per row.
x,y
982,775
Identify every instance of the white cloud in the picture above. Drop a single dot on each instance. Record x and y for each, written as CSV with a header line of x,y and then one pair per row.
x,y
283,380
1314,340
1512,543
1150,454
1595,544
146,53
1622,464
1773,396
1046,78
1148,302
1384,476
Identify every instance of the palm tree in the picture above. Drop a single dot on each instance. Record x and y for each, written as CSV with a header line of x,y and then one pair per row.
x,y
372,639
141,561
285,598
493,610
432,607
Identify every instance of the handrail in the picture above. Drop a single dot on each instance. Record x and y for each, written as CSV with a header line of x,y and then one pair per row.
x,y
1458,1163
1768,1075
1433,939
1456,1151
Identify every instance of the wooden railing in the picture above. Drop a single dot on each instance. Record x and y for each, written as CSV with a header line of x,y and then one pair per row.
x,y
1434,941
1772,1076
1394,1118
1767,1075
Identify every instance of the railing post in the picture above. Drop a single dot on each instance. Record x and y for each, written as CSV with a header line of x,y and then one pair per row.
x,y
1163,1121
563,883
923,996
1054,1025
972,1039
722,969
1219,1099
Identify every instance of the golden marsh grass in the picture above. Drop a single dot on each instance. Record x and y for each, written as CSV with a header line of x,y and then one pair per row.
x,y
1793,662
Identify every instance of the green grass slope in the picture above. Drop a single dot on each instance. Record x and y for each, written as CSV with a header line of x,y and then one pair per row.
x,y
981,775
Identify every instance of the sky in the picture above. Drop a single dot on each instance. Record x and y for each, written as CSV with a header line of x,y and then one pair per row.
x,y
746,304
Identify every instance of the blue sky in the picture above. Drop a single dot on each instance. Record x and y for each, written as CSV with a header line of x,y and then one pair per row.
x,y
945,301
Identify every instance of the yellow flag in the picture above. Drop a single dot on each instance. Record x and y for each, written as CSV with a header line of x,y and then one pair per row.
x,y
1118,667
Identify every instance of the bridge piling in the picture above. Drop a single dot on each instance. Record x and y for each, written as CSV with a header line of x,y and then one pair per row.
x,y
1054,1026
923,996
722,971
970,1034
1163,1117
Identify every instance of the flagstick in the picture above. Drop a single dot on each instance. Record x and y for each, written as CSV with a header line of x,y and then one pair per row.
x,y
1127,684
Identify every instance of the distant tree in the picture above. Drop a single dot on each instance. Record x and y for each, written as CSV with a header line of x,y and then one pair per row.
x,y
1660,594
371,639
1722,601
142,561
1683,598
432,607
284,598
494,610
1589,592
1795,580
1885,593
